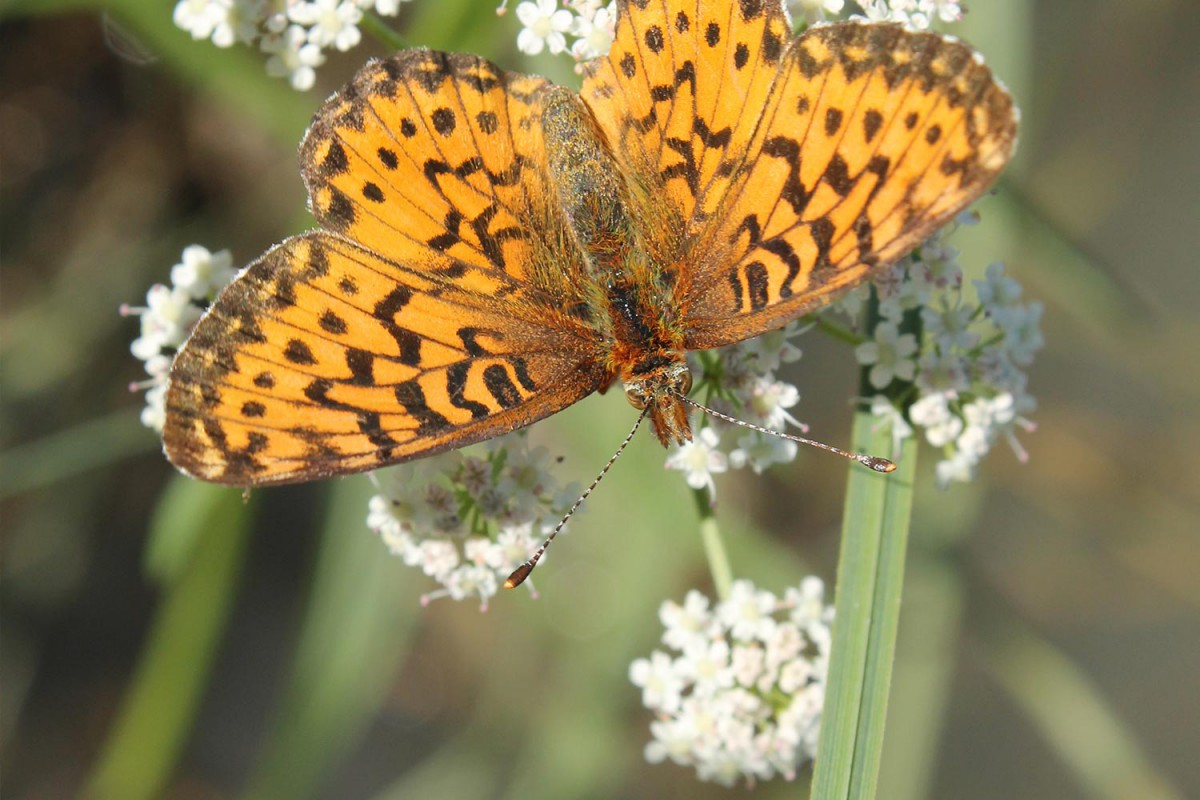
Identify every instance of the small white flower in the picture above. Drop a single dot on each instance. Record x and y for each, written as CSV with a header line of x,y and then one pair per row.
x,y
386,8
705,663
293,56
948,10
950,326
767,353
166,320
201,273
238,22
815,10
747,664
594,32
422,511
197,17
932,412
402,488
544,26
471,581
852,302
889,355
942,372
699,460
769,400
959,468
794,675
746,709
154,414
661,684
513,545
935,267
329,22
684,623
806,603
747,612
437,558
673,739
1023,332
997,293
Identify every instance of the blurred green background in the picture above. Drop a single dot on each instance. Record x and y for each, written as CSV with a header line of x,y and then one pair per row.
x,y
161,634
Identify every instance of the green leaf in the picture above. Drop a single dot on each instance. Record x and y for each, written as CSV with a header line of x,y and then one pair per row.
x,y
870,577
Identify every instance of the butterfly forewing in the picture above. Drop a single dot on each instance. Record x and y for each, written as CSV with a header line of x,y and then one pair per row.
x,y
797,164
680,95
874,138
437,152
431,314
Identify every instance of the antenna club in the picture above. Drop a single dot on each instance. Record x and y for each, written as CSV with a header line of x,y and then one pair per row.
x,y
518,576
876,463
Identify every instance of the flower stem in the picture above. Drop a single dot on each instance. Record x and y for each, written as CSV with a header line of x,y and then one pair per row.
x,y
380,30
714,546
839,332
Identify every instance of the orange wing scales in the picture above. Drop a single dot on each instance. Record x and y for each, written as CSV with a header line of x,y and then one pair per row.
x,y
670,93
873,138
449,297
434,152
798,164
324,358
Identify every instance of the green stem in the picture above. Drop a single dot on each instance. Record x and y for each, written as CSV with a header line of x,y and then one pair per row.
x,y
839,332
714,545
381,31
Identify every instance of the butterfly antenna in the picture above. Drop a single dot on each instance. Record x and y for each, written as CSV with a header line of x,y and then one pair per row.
x,y
519,574
874,462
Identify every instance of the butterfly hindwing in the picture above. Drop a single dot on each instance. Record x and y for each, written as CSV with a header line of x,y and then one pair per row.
x,y
325,358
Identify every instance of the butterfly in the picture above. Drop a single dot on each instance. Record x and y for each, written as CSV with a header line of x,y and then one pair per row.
x,y
493,248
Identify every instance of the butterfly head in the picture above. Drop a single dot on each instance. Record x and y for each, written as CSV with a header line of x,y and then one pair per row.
x,y
656,385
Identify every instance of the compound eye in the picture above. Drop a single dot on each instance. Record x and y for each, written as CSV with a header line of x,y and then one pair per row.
x,y
685,383
635,398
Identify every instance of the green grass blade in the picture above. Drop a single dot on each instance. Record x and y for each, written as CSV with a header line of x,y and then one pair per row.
x,y
1072,714
68,452
356,628
141,752
870,577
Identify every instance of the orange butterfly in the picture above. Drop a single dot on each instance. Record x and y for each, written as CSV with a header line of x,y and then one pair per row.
x,y
494,248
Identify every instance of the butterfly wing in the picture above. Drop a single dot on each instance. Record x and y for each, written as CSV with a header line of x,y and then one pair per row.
x,y
798,164
432,313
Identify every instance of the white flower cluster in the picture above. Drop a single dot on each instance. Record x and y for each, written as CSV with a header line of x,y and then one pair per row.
x,y
545,25
293,33
969,387
743,384
469,519
812,11
739,691
168,317
915,15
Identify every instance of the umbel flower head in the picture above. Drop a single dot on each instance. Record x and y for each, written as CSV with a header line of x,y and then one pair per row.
x,y
738,687
467,519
